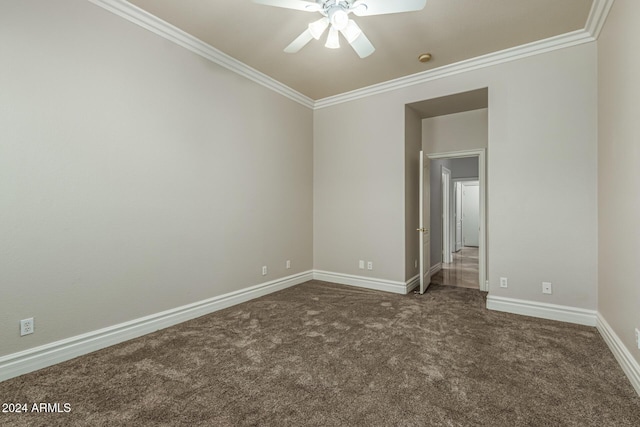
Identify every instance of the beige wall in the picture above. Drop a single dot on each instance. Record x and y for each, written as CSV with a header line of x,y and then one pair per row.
x,y
541,176
359,188
135,176
456,132
619,172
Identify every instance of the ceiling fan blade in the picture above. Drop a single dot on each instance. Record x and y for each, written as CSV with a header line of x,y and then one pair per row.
x,y
300,42
381,7
362,46
308,6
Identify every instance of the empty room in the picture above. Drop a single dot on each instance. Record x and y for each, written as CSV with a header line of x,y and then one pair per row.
x,y
329,212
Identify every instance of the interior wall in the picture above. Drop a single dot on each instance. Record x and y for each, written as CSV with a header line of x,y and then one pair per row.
x,y
359,188
619,172
465,168
543,118
135,176
467,130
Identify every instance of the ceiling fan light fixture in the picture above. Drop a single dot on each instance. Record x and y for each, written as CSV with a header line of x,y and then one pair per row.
x,y
339,18
333,40
313,7
359,7
336,16
352,31
316,28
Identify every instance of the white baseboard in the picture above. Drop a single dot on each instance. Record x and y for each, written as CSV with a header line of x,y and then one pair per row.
x,y
40,357
435,268
543,310
628,364
364,282
412,283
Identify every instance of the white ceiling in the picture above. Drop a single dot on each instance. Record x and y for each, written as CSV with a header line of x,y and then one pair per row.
x,y
451,30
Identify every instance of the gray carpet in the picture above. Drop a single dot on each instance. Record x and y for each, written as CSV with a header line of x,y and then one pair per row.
x,y
328,355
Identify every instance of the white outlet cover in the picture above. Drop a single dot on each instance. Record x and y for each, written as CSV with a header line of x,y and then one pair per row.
x,y
638,338
26,326
370,265
546,288
264,270
361,265
504,282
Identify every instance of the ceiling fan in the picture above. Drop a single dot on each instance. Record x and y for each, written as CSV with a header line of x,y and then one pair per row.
x,y
335,16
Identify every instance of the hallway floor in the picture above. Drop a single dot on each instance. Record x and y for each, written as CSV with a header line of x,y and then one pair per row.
x,y
462,272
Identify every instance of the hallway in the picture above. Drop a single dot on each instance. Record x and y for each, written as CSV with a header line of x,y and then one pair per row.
x,y
462,272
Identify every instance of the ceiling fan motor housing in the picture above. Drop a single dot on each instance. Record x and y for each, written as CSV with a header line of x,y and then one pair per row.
x,y
338,13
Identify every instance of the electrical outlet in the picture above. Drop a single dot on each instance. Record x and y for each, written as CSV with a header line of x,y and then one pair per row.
x,y
546,287
638,338
370,265
361,265
504,282
288,264
26,326
264,270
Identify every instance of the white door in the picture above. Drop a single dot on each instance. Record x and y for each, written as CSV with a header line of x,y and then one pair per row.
x,y
458,215
470,214
424,207
446,217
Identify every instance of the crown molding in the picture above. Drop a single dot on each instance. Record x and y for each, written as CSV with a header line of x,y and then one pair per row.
x,y
597,17
541,46
595,21
156,25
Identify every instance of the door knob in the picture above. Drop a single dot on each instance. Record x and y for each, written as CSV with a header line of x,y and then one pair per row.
x,y
424,230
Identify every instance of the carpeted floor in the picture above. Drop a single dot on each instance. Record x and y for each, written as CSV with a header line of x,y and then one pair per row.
x,y
327,355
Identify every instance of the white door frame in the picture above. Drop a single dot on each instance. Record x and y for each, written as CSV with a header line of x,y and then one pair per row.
x,y
457,193
446,216
482,178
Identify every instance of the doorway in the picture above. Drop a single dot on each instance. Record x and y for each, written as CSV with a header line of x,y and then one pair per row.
x,y
452,126
461,214
470,213
460,258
